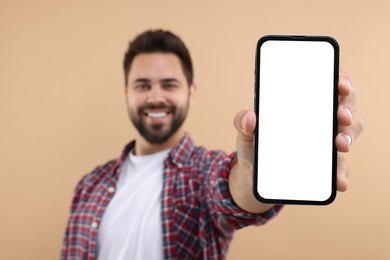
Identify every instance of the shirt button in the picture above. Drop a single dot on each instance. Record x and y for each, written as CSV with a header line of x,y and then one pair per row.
x,y
94,225
111,189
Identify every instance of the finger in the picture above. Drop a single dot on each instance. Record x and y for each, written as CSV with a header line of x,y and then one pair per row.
x,y
344,84
344,116
343,142
347,100
245,123
342,173
347,91
348,134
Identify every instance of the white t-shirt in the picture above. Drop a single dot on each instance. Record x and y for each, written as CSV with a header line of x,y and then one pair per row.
x,y
131,224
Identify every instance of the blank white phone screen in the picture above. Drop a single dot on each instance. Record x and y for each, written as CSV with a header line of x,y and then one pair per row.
x,y
295,120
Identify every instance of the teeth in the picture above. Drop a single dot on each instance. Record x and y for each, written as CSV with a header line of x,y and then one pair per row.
x,y
157,114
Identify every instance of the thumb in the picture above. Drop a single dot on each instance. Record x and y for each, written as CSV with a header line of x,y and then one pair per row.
x,y
245,123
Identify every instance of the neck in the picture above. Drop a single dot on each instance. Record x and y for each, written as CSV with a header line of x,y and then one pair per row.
x,y
143,147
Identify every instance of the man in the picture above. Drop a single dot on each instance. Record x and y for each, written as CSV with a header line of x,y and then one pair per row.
x,y
164,197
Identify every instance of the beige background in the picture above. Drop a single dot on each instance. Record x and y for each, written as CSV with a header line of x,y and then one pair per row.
x,y
62,111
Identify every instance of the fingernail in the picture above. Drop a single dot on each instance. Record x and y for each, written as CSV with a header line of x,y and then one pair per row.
x,y
242,123
349,111
349,139
349,84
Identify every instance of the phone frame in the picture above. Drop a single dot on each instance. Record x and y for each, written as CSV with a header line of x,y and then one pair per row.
x,y
336,48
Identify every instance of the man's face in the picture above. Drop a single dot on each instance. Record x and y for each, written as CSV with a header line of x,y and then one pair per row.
x,y
158,95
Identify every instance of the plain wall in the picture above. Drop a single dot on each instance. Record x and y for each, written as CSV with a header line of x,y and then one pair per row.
x,y
62,111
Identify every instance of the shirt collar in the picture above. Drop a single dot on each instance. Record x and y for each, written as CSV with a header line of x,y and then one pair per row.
x,y
119,161
178,154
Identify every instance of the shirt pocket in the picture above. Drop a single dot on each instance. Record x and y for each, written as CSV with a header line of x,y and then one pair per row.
x,y
187,228
187,187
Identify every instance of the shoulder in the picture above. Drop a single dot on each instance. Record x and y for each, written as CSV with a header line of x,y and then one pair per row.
x,y
97,175
204,155
211,163
187,150
106,172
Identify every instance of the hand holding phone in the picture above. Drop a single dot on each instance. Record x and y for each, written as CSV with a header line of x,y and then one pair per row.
x,y
296,100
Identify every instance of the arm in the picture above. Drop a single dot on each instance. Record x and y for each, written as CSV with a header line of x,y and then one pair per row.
x,y
350,122
240,178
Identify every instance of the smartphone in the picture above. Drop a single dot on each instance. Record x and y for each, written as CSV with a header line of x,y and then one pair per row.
x,y
296,101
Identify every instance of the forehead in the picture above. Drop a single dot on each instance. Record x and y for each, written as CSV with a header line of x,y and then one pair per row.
x,y
156,65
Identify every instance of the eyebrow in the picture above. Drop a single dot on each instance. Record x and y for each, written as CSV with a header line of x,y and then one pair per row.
x,y
168,80
141,80
164,80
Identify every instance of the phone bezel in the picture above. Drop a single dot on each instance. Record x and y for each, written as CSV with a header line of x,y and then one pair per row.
x,y
336,48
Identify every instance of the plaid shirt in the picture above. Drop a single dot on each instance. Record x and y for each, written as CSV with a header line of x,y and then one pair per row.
x,y
197,211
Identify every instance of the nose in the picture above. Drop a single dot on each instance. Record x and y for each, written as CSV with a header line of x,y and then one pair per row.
x,y
155,95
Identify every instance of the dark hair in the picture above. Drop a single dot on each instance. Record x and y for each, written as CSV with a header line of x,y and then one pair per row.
x,y
159,41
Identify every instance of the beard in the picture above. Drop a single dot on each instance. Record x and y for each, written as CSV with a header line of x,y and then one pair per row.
x,y
158,133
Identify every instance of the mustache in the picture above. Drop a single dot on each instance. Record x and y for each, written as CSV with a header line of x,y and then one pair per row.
x,y
156,106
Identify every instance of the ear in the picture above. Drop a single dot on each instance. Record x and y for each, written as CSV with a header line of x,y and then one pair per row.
x,y
126,96
192,93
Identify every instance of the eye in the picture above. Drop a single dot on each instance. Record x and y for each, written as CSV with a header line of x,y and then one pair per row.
x,y
142,86
169,86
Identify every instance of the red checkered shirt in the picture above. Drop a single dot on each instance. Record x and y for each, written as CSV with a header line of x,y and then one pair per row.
x,y
197,212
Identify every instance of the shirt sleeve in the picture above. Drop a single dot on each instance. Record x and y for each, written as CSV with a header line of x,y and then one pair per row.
x,y
227,216
67,246
76,238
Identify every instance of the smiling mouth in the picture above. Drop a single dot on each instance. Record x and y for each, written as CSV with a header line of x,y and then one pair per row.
x,y
156,114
